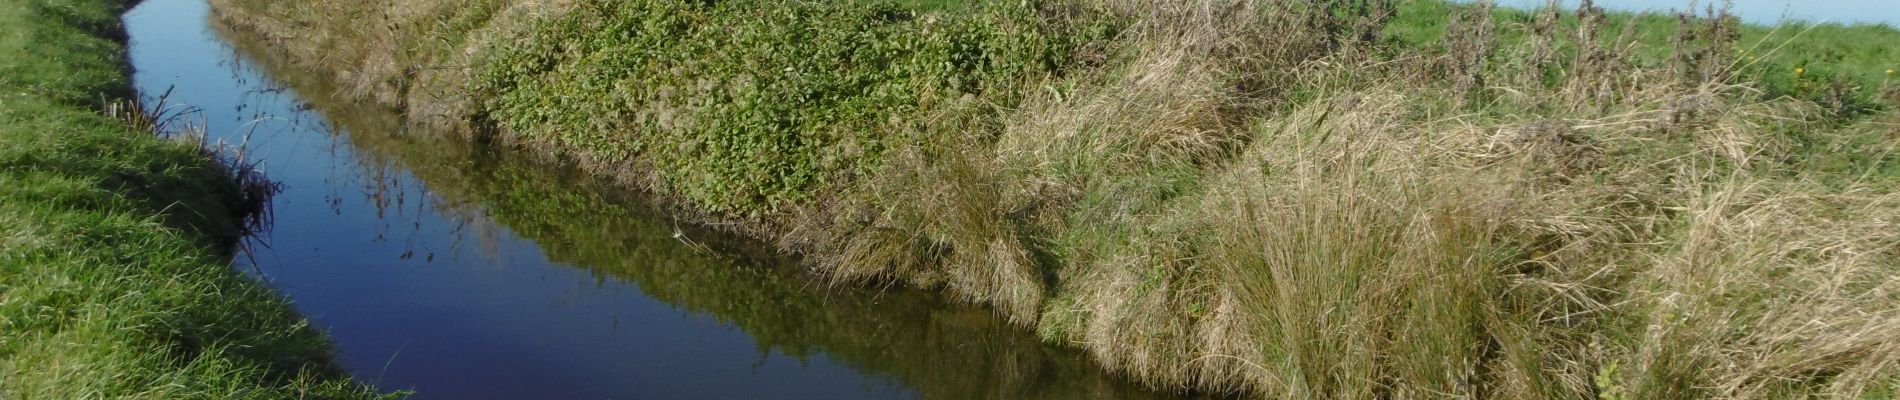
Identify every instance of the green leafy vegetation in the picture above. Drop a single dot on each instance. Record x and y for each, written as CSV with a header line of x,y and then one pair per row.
x,y
114,256
745,119
1306,199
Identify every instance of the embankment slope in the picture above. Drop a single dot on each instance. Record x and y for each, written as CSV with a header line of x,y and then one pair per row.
x,y
1302,199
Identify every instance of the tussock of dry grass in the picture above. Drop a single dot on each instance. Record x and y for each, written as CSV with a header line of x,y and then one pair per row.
x,y
1773,286
1260,197
411,55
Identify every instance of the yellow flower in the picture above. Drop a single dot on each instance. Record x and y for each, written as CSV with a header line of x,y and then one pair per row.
x,y
1799,71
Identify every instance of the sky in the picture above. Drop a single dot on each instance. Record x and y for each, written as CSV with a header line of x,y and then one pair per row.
x,y
1764,11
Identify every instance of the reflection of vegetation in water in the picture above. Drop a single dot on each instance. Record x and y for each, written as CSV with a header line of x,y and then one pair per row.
x,y
938,348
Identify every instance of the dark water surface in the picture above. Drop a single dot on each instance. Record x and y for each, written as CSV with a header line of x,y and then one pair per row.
x,y
460,273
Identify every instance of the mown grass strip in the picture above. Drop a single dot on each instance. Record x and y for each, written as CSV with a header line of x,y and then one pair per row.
x,y
115,243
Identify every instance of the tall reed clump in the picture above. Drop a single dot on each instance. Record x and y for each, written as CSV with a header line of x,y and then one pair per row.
x,y
1362,279
1769,290
249,205
1309,199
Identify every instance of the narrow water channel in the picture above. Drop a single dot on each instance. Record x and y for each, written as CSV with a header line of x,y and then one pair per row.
x,y
461,273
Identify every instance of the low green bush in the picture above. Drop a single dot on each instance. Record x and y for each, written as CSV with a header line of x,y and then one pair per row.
x,y
746,105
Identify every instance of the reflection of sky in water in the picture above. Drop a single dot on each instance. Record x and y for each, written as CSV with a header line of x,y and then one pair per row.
x,y
1761,11
450,305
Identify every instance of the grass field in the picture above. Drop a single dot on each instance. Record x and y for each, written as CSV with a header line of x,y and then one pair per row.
x,y
115,243
1307,199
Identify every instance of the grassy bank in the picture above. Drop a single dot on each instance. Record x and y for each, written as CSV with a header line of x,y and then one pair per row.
x,y
114,256
1289,199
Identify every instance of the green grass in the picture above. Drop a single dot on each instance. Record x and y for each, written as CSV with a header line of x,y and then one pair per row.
x,y
1800,59
114,256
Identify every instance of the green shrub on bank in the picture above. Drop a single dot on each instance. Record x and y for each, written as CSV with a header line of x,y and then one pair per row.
x,y
748,105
